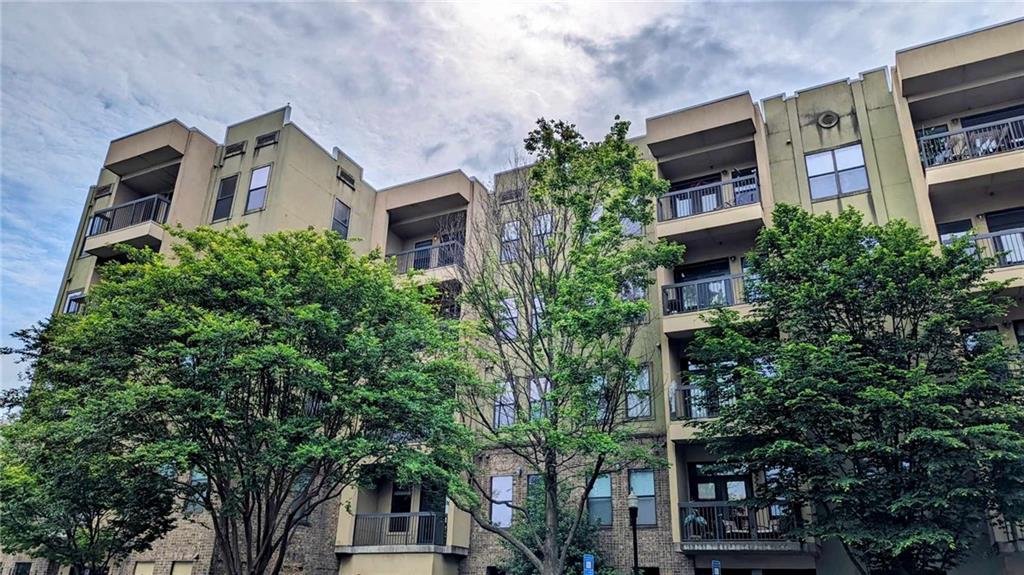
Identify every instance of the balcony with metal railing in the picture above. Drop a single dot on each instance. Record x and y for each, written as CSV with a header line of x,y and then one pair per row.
x,y
712,197
1006,248
691,402
683,303
970,143
429,257
400,529
136,223
738,526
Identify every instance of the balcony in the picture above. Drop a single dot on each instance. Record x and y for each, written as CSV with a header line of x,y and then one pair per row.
x,y
683,303
1007,250
136,223
691,402
733,526
974,142
400,529
708,198
428,257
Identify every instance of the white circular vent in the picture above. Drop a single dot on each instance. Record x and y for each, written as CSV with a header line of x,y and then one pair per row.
x,y
828,119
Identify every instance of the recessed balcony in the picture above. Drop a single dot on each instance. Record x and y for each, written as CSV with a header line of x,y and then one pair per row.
x,y
738,527
136,223
1006,248
683,303
428,256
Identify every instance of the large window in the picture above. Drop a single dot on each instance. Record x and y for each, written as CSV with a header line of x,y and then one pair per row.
x,y
339,222
641,483
638,398
225,197
258,183
539,404
510,234
599,502
837,172
75,302
509,318
542,228
501,496
505,407
196,497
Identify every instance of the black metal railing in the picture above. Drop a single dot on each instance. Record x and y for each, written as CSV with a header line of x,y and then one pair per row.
x,y
703,294
708,198
974,142
694,402
400,529
425,258
149,209
735,521
1005,247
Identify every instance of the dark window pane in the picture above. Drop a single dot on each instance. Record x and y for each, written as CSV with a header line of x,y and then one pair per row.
x,y
225,197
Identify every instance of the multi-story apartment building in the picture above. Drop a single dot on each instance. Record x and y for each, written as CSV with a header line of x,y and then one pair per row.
x,y
938,140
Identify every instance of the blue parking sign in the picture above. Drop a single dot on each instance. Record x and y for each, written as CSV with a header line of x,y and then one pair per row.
x,y
716,567
588,564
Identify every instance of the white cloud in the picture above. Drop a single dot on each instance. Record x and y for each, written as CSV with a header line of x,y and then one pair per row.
x,y
406,89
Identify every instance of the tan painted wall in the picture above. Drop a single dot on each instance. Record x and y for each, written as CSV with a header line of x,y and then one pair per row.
x,y
172,133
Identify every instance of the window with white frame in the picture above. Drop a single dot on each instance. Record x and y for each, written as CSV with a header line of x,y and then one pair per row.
x,y
505,406
510,237
258,183
641,483
837,172
539,403
339,221
638,398
75,302
543,225
599,502
509,318
501,497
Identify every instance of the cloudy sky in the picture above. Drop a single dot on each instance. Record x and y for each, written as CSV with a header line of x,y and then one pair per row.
x,y
407,90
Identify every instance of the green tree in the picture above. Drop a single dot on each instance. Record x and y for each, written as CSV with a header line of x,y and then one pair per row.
x,y
278,370
880,407
72,490
553,284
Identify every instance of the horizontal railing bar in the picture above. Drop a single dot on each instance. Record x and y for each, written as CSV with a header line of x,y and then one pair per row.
x,y
741,181
970,129
423,249
704,280
126,204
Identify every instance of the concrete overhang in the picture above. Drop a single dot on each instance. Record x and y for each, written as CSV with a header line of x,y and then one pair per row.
x,y
684,325
148,148
709,227
703,128
147,234
986,171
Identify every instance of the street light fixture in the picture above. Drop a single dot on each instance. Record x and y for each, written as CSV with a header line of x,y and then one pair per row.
x,y
634,508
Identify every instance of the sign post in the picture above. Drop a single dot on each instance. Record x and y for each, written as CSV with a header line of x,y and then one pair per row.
x,y
588,564
716,567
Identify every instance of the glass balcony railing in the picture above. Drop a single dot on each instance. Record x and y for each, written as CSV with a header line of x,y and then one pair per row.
x,y
974,142
708,198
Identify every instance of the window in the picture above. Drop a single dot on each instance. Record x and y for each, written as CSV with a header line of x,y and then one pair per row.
x,y
267,139
144,567
510,196
181,568
509,317
75,302
631,228
225,197
600,391
950,231
535,487
632,292
501,496
196,497
421,254
638,399
539,404
1018,332
599,502
102,191
448,305
510,241
505,407
542,228
537,314
342,213
641,482
837,172
401,504
22,568
235,149
258,189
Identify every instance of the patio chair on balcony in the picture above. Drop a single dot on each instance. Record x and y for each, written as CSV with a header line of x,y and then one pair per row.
x,y
772,529
734,531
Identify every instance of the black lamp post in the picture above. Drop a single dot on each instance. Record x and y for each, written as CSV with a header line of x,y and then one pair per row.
x,y
634,508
